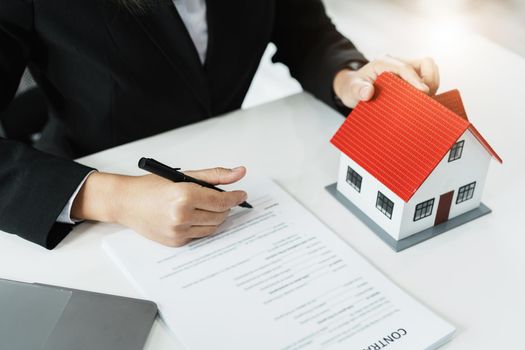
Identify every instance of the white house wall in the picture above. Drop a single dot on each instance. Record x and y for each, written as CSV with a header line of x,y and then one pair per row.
x,y
366,199
472,166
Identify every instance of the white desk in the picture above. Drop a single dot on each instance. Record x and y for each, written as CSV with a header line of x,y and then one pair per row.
x,y
473,276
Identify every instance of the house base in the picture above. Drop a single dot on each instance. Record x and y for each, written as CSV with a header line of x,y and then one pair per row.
x,y
415,238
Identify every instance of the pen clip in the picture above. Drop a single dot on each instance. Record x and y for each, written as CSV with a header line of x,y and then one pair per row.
x,y
176,168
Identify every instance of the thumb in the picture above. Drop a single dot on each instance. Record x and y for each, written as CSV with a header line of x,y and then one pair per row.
x,y
218,176
361,89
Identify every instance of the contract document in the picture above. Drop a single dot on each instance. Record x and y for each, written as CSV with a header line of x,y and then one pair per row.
x,y
274,277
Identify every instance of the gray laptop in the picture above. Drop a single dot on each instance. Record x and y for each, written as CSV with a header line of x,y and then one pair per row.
x,y
42,317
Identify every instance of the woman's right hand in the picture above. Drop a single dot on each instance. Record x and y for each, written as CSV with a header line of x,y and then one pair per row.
x,y
170,213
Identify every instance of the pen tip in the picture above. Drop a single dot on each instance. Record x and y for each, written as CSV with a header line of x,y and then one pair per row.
x,y
246,205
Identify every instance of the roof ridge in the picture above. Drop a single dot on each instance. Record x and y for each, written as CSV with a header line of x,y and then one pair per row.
x,y
462,105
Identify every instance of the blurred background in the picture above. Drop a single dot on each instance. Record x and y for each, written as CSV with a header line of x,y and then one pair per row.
x,y
502,21
451,31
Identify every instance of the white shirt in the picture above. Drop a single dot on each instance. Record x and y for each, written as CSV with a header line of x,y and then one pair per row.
x,y
193,14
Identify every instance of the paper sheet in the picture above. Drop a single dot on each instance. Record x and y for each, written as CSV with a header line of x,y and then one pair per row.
x,y
274,277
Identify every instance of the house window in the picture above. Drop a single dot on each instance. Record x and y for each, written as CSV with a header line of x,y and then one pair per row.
x,y
354,179
385,205
424,209
466,192
456,151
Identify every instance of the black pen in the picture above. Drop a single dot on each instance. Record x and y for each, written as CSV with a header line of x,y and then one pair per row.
x,y
175,175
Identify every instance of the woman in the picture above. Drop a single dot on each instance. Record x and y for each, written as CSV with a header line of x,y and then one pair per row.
x,y
114,71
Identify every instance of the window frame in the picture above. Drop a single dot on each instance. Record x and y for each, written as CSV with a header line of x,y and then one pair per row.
x,y
469,188
423,208
457,149
381,198
351,174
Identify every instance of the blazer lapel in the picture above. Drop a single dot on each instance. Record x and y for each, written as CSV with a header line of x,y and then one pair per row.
x,y
167,31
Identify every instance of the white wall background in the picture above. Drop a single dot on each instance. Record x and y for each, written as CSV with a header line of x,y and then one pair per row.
x,y
432,28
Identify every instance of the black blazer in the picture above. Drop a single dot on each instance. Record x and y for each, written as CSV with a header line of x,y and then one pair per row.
x,y
112,76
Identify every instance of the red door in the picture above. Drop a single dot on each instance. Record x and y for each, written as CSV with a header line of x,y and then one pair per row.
x,y
445,201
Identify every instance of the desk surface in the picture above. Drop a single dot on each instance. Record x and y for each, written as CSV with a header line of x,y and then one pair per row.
x,y
472,276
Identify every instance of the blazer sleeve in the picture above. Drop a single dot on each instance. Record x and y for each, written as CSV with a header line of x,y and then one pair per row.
x,y
310,45
34,186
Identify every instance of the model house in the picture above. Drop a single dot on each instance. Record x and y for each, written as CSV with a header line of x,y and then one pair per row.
x,y
410,161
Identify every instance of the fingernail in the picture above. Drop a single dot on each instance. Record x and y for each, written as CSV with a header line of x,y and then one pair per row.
x,y
237,168
244,198
365,91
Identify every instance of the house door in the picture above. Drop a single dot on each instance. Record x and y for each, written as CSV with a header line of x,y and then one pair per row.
x,y
445,201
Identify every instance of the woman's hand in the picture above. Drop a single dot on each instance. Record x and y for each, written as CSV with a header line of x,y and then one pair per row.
x,y
170,213
354,86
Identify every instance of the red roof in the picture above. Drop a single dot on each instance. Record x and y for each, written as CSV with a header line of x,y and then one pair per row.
x,y
452,100
401,135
